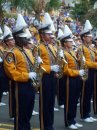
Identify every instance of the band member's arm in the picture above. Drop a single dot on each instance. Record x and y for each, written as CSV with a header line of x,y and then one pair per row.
x,y
12,72
88,62
70,72
45,58
91,64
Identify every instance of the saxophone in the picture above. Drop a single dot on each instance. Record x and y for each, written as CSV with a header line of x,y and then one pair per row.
x,y
82,64
59,60
37,68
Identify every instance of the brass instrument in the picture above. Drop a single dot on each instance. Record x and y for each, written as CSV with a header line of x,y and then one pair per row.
x,y
82,64
38,69
31,69
59,60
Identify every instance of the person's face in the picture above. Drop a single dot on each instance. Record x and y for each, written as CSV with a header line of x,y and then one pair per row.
x,y
79,40
10,43
68,44
88,39
52,40
46,37
29,46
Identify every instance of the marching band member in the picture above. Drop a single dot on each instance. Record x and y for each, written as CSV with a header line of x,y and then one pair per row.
x,y
19,69
94,49
48,56
60,90
89,64
4,82
71,80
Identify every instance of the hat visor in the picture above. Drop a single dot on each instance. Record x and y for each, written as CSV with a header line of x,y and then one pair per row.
x,y
69,40
48,32
10,38
89,35
52,36
22,35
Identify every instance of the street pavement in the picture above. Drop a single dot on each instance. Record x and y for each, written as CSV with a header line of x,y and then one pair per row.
x,y
7,124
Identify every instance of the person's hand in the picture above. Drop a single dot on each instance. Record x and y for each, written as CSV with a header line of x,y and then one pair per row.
x,y
32,75
55,68
61,54
39,60
81,72
1,60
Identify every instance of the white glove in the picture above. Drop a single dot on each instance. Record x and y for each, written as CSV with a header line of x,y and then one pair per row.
x,y
55,68
39,60
32,75
1,60
61,54
81,72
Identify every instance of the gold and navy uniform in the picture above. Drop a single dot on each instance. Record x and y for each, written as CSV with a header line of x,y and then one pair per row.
x,y
94,49
87,86
72,87
71,69
17,68
89,56
4,82
47,54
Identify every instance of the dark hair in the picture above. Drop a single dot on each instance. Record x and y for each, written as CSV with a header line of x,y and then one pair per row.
x,y
21,41
64,40
84,34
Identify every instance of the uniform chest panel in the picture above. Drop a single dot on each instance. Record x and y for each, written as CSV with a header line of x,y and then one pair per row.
x,y
21,61
44,54
71,60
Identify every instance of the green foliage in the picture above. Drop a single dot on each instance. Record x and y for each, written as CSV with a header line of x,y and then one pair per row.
x,y
84,10
81,9
53,4
23,4
92,2
92,16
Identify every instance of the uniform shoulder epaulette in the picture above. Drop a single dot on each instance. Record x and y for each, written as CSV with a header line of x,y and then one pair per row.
x,y
9,56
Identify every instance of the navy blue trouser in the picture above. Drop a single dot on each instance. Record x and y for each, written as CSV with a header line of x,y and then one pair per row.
x,y
61,91
48,91
95,93
72,92
86,95
4,81
26,97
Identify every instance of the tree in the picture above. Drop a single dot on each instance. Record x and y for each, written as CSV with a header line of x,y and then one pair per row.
x,y
53,4
92,2
92,16
80,9
1,10
84,10
29,5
